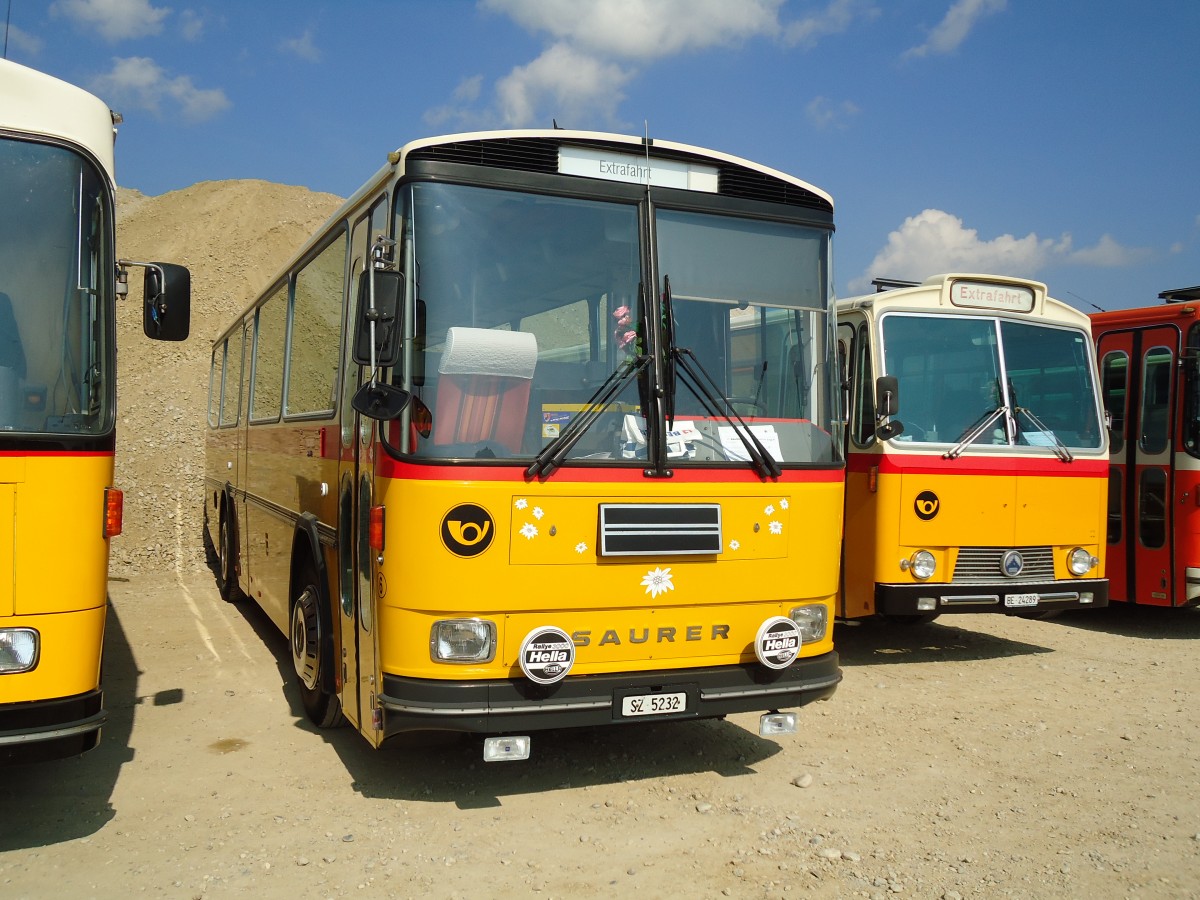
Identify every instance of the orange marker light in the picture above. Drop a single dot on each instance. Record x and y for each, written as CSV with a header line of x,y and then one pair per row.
x,y
114,511
375,529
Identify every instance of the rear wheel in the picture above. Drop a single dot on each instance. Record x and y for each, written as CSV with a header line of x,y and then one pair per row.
x,y
226,573
310,655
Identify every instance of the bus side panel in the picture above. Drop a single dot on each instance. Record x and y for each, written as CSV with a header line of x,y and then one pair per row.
x,y
870,543
541,567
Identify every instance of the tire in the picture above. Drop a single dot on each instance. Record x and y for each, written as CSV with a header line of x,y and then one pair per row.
x,y
226,576
310,651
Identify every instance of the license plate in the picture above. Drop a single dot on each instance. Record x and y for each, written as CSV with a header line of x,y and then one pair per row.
x,y
653,704
1021,599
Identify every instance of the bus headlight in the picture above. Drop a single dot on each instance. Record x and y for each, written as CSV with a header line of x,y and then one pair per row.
x,y
922,564
18,650
813,620
1080,561
463,641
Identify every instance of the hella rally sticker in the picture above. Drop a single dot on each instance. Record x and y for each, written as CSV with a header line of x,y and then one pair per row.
x,y
777,643
547,655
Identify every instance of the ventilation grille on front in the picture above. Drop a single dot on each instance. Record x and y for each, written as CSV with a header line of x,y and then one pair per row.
x,y
981,565
528,154
655,529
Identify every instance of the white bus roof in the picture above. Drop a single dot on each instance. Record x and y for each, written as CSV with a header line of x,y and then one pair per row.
x,y
34,103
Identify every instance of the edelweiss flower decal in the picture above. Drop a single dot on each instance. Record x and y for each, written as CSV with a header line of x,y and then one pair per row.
x,y
769,511
658,582
581,547
776,528
734,545
538,513
521,504
783,504
529,530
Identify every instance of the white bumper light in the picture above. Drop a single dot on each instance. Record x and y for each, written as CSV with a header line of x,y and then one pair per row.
x,y
463,641
813,620
776,723
18,650
1080,561
926,604
506,749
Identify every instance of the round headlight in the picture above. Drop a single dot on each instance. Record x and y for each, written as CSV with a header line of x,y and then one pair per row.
x,y
1080,562
922,564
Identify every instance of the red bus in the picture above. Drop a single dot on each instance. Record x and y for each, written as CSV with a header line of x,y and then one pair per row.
x,y
1150,379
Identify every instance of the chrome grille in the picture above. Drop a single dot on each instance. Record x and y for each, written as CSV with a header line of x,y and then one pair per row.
x,y
981,565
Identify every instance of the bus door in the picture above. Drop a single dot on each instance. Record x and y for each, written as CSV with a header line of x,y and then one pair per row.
x,y
1138,376
355,646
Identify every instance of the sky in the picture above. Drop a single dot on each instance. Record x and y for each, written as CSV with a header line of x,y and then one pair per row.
x,y
1051,139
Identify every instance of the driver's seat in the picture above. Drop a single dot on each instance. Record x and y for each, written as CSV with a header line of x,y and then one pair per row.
x,y
483,388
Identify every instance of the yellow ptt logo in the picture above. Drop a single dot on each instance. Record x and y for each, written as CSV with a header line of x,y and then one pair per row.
x,y
467,530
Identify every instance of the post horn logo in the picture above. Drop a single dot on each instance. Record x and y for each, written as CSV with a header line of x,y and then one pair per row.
x,y
467,530
926,505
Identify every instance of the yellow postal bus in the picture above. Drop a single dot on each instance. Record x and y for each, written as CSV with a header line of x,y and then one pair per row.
x,y
977,453
59,281
536,432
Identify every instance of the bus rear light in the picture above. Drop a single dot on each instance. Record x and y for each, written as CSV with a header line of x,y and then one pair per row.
x,y
18,650
375,529
114,511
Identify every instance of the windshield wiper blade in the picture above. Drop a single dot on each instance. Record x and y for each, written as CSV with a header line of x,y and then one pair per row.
x,y
1059,448
552,455
709,394
975,431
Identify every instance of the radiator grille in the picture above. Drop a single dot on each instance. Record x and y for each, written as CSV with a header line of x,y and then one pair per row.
x,y
981,565
655,529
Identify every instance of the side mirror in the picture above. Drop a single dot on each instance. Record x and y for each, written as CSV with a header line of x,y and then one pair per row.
x,y
379,322
166,315
377,400
887,396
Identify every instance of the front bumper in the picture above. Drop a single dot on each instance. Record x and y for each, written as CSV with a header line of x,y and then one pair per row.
x,y
1052,596
51,729
512,705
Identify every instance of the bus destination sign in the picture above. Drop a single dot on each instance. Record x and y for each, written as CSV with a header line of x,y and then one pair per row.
x,y
982,295
630,167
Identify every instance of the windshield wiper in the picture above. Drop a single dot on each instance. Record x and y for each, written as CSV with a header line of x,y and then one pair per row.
x,y
974,432
1059,448
717,406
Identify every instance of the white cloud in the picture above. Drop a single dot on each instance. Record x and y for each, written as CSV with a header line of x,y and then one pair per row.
x,y
113,19
302,47
596,49
825,114
23,41
141,83
949,34
192,25
936,241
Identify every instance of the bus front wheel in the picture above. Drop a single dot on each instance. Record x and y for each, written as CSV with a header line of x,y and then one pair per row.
x,y
309,655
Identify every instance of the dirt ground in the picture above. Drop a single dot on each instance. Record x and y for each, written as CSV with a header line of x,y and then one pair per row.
x,y
972,757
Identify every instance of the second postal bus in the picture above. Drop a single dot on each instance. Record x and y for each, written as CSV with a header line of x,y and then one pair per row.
x,y
574,466
977,454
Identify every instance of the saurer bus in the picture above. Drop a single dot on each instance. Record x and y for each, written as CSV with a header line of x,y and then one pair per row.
x,y
1150,379
59,282
976,451
537,432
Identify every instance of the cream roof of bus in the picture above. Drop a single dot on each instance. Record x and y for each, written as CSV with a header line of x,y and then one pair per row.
x,y
32,102
636,145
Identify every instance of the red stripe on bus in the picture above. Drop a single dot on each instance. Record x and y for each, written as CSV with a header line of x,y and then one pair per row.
x,y
389,468
1008,465
13,454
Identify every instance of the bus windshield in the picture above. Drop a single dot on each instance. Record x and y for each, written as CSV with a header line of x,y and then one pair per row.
x,y
530,303
56,332
1034,382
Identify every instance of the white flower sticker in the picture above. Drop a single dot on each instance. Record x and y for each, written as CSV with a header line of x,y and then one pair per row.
x,y
783,504
521,504
658,582
734,545
537,513
581,547
769,511
529,530
776,528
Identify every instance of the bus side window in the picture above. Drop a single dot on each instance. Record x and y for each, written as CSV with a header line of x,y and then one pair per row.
x,y
863,382
1114,372
1156,400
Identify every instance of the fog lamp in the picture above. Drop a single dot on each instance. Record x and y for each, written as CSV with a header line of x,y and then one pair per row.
x,y
776,723
1080,561
1086,597
505,749
463,641
18,650
813,620
926,604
